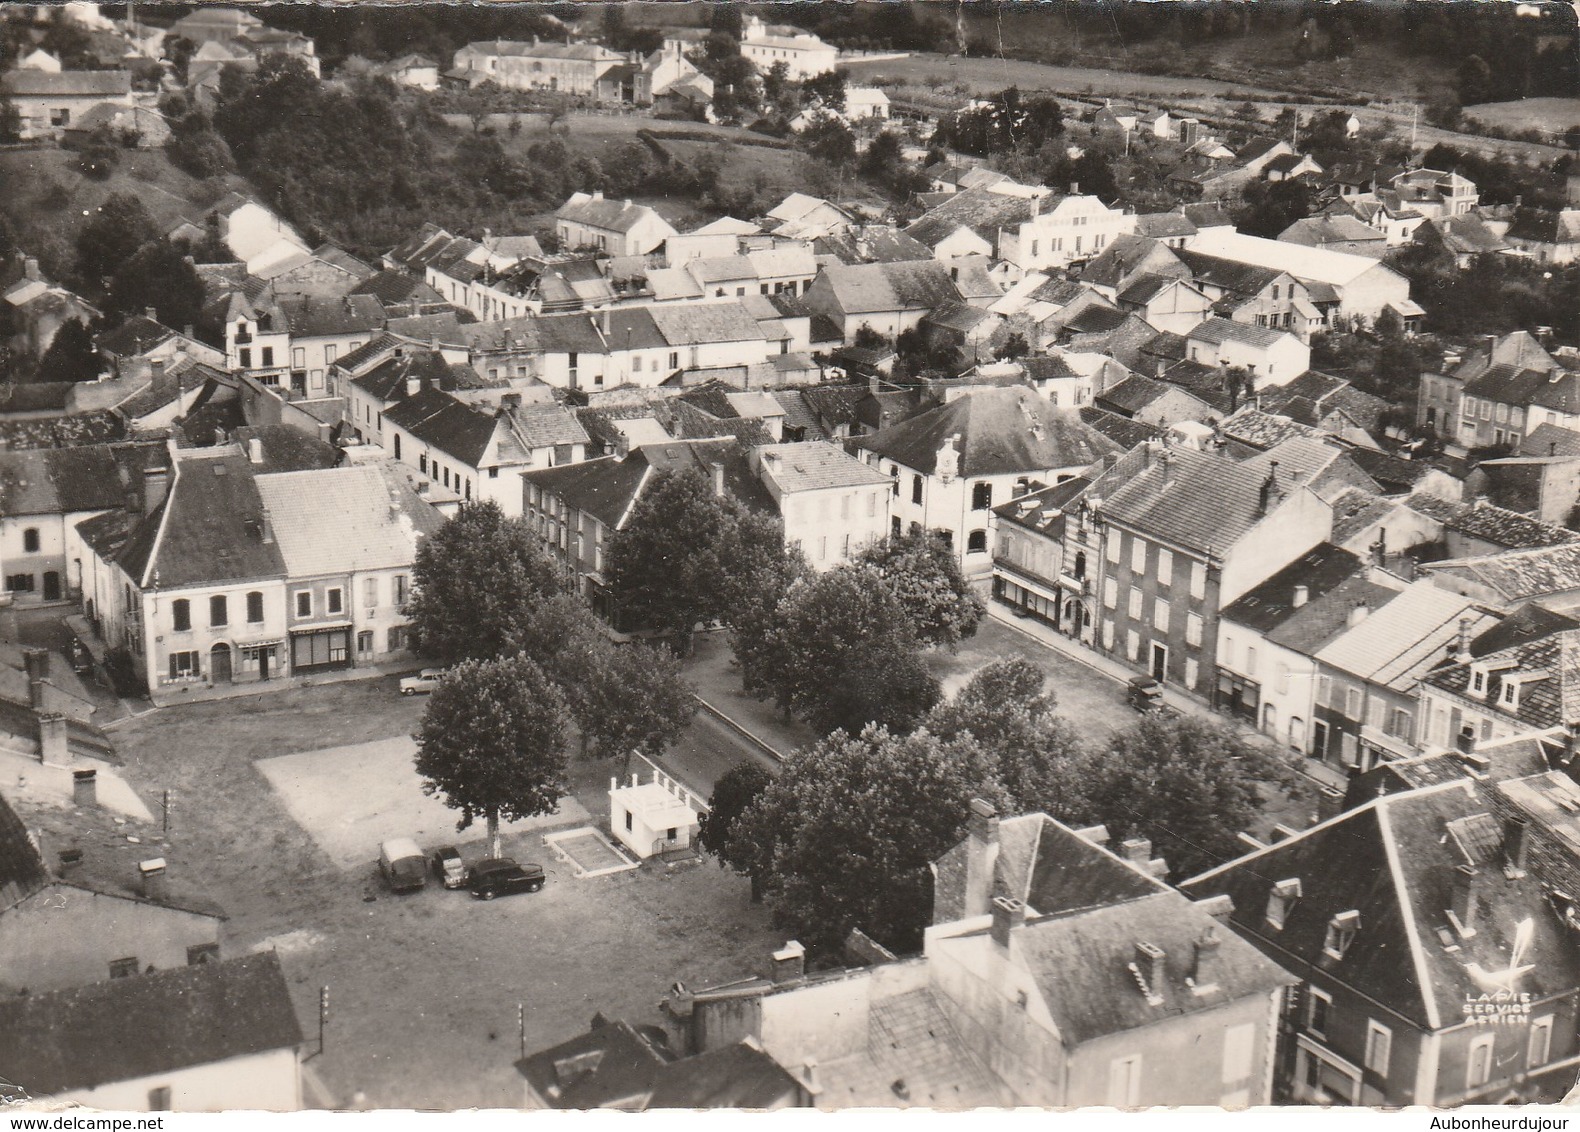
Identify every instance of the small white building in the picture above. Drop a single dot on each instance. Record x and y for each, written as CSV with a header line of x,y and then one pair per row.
x,y
865,102
650,818
802,53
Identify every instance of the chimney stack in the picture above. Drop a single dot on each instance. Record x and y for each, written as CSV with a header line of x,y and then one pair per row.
x,y
35,663
1204,967
1358,613
151,875
718,479
151,313
1514,843
1008,914
30,268
1136,850
1220,908
789,963
1302,595
156,484
1150,963
255,450
85,788
982,847
52,746
1463,906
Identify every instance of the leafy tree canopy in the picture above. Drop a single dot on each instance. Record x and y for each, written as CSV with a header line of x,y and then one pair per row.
x,y
121,226
925,577
733,794
71,356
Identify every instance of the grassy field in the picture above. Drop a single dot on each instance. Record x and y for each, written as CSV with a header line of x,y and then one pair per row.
x,y
1553,115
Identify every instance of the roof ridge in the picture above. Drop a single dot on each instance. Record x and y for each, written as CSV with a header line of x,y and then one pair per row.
x,y
1406,906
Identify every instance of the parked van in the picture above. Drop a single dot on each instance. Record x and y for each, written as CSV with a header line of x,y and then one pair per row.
x,y
402,865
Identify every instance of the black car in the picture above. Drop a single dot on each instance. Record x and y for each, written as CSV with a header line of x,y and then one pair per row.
x,y
501,876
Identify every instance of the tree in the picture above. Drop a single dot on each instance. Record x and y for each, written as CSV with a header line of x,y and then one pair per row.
x,y
668,568
1014,347
923,574
10,120
476,581
158,275
491,742
844,837
848,656
1188,784
765,571
1036,756
99,154
828,139
119,228
1272,206
733,794
71,356
828,89
635,698
1473,81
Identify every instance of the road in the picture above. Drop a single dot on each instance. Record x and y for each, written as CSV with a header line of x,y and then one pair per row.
x,y
706,751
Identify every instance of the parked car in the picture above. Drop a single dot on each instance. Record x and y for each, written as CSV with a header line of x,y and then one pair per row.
x,y
81,658
422,683
1144,693
449,867
402,865
501,876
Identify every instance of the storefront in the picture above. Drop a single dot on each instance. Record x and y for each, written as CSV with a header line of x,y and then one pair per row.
x,y
321,648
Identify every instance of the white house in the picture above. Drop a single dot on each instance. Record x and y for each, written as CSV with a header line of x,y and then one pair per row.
x,y
49,101
1029,227
802,53
257,236
951,465
653,818
832,504
1274,357
574,68
416,71
1363,286
863,102
617,227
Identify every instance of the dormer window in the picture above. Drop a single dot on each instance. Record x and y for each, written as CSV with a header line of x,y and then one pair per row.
x,y
1478,680
1341,933
1510,695
1281,900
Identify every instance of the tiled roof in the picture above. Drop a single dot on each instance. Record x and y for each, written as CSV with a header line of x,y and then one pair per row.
x,y
1490,524
1000,430
1043,510
815,465
1219,330
148,1025
283,448
137,335
1519,575
1133,394
1322,618
22,870
1548,439
1320,570
60,481
981,209
879,287
394,287
1337,269
454,427
1123,431
1355,510
698,324
75,84
1389,861
341,520
610,215
1252,426
1315,231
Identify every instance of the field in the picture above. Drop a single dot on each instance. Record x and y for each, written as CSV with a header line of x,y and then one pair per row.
x,y
1551,115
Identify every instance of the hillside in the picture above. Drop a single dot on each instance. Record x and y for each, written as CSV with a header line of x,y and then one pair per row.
x,y
47,201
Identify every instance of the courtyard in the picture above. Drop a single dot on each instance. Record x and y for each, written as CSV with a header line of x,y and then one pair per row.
x,y
424,988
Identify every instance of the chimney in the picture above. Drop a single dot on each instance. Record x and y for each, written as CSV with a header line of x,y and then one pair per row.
x,y
1149,964
1204,964
597,194
510,402
413,384
1167,461
186,332
85,788
1136,850
52,749
156,484
1358,614
606,328
1462,641
1463,896
1514,828
1269,489
1220,908
255,450
156,370
1302,595
718,479
789,963
1008,914
151,875
30,268
35,662
981,857
1075,188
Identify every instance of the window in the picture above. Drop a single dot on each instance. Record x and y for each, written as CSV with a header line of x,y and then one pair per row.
x,y
397,638
254,608
1250,661
1080,564
298,357
981,496
1160,615
1192,672
1510,695
1113,546
422,463
1132,645
1110,593
1133,604
976,542
1138,556
184,665
916,489
365,642
267,353
1352,702
1193,629
1479,1067
1280,900
329,352
1124,1081
245,357
1317,1013
218,611
304,603
400,589
181,615
19,583
397,446
201,953
159,1098
1379,1044
30,540
1198,580
1538,1047
334,601
1165,566
628,820
123,968
370,592
1239,1048
1341,933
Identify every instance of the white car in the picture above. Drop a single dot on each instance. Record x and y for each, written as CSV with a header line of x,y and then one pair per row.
x,y
422,683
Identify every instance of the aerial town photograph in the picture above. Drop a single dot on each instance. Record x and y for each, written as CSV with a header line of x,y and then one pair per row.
x,y
942,555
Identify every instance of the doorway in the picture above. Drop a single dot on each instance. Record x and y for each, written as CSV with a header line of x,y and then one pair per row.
x,y
1160,662
219,663
51,585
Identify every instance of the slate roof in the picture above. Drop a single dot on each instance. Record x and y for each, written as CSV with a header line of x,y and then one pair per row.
x,y
1390,861
286,449
876,287
153,1024
1337,269
22,870
610,215
1548,439
981,209
698,324
1163,225
1200,502
208,530
1001,430
137,335
395,287
1124,432
387,380
1490,524
342,520
79,84
1316,231
607,487
1042,510
1320,570
1219,330
1519,575
1133,394
1544,226
60,481
454,427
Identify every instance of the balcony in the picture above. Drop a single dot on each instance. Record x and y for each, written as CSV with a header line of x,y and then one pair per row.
x,y
1079,585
